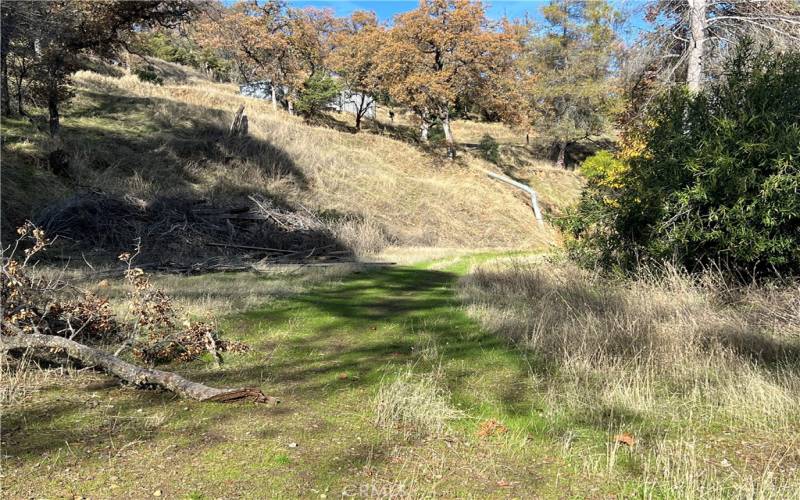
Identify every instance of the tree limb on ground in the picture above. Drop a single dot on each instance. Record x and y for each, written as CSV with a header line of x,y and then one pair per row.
x,y
128,372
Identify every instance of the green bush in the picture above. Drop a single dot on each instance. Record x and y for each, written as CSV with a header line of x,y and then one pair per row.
x,y
602,168
489,149
318,91
436,135
148,74
718,181
180,50
169,49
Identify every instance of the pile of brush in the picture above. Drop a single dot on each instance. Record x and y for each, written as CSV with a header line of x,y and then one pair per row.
x,y
60,323
182,230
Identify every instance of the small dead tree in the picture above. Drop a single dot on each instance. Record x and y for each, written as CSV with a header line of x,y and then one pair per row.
x,y
239,123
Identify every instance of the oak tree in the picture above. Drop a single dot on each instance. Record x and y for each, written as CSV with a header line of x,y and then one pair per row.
x,y
437,53
256,38
354,58
53,36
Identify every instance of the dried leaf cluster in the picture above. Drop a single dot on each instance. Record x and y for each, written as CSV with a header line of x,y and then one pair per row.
x,y
55,307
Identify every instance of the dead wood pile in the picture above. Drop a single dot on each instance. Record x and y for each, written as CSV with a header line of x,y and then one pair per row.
x,y
59,322
185,230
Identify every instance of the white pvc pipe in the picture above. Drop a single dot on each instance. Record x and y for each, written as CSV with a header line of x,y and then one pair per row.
x,y
534,199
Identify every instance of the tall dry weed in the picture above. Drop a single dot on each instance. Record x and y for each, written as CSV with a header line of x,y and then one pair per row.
x,y
667,354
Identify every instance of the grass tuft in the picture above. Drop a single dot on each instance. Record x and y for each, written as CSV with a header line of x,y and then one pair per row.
x,y
416,404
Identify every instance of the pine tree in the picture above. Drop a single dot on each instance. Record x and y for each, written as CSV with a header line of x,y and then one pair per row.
x,y
575,93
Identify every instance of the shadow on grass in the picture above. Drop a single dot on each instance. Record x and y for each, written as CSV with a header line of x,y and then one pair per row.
x,y
158,138
144,158
366,325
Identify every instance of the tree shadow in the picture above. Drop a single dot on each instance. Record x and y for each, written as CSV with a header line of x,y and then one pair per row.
x,y
413,301
327,120
162,140
150,154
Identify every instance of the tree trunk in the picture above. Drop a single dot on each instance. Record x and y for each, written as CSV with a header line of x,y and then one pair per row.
x,y
448,135
360,112
562,150
126,371
424,128
22,73
239,123
9,25
52,107
52,99
6,97
697,23
20,109
274,97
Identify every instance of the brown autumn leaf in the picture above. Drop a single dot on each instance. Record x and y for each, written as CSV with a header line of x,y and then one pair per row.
x,y
343,376
491,427
625,439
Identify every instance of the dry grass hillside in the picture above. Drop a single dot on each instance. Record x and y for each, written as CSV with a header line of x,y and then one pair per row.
x,y
145,142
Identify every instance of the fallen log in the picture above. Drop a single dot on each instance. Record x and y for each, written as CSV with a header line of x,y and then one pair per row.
x,y
128,372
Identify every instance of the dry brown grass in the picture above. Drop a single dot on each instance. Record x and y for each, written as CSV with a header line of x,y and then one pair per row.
x,y
471,132
18,377
127,137
667,357
416,404
415,197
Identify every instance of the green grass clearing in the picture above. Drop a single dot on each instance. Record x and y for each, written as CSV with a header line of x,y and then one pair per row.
x,y
326,347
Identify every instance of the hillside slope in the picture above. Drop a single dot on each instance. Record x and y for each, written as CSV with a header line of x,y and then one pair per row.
x,y
132,139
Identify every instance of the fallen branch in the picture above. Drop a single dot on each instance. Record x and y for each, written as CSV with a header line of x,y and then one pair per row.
x,y
534,199
249,247
128,372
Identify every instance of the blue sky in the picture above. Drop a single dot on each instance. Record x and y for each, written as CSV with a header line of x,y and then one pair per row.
x,y
386,9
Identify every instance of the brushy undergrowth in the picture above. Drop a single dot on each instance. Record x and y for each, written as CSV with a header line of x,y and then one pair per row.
x,y
707,179
675,359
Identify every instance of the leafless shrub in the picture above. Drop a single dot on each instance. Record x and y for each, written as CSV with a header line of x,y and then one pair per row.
x,y
157,337
55,307
36,304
